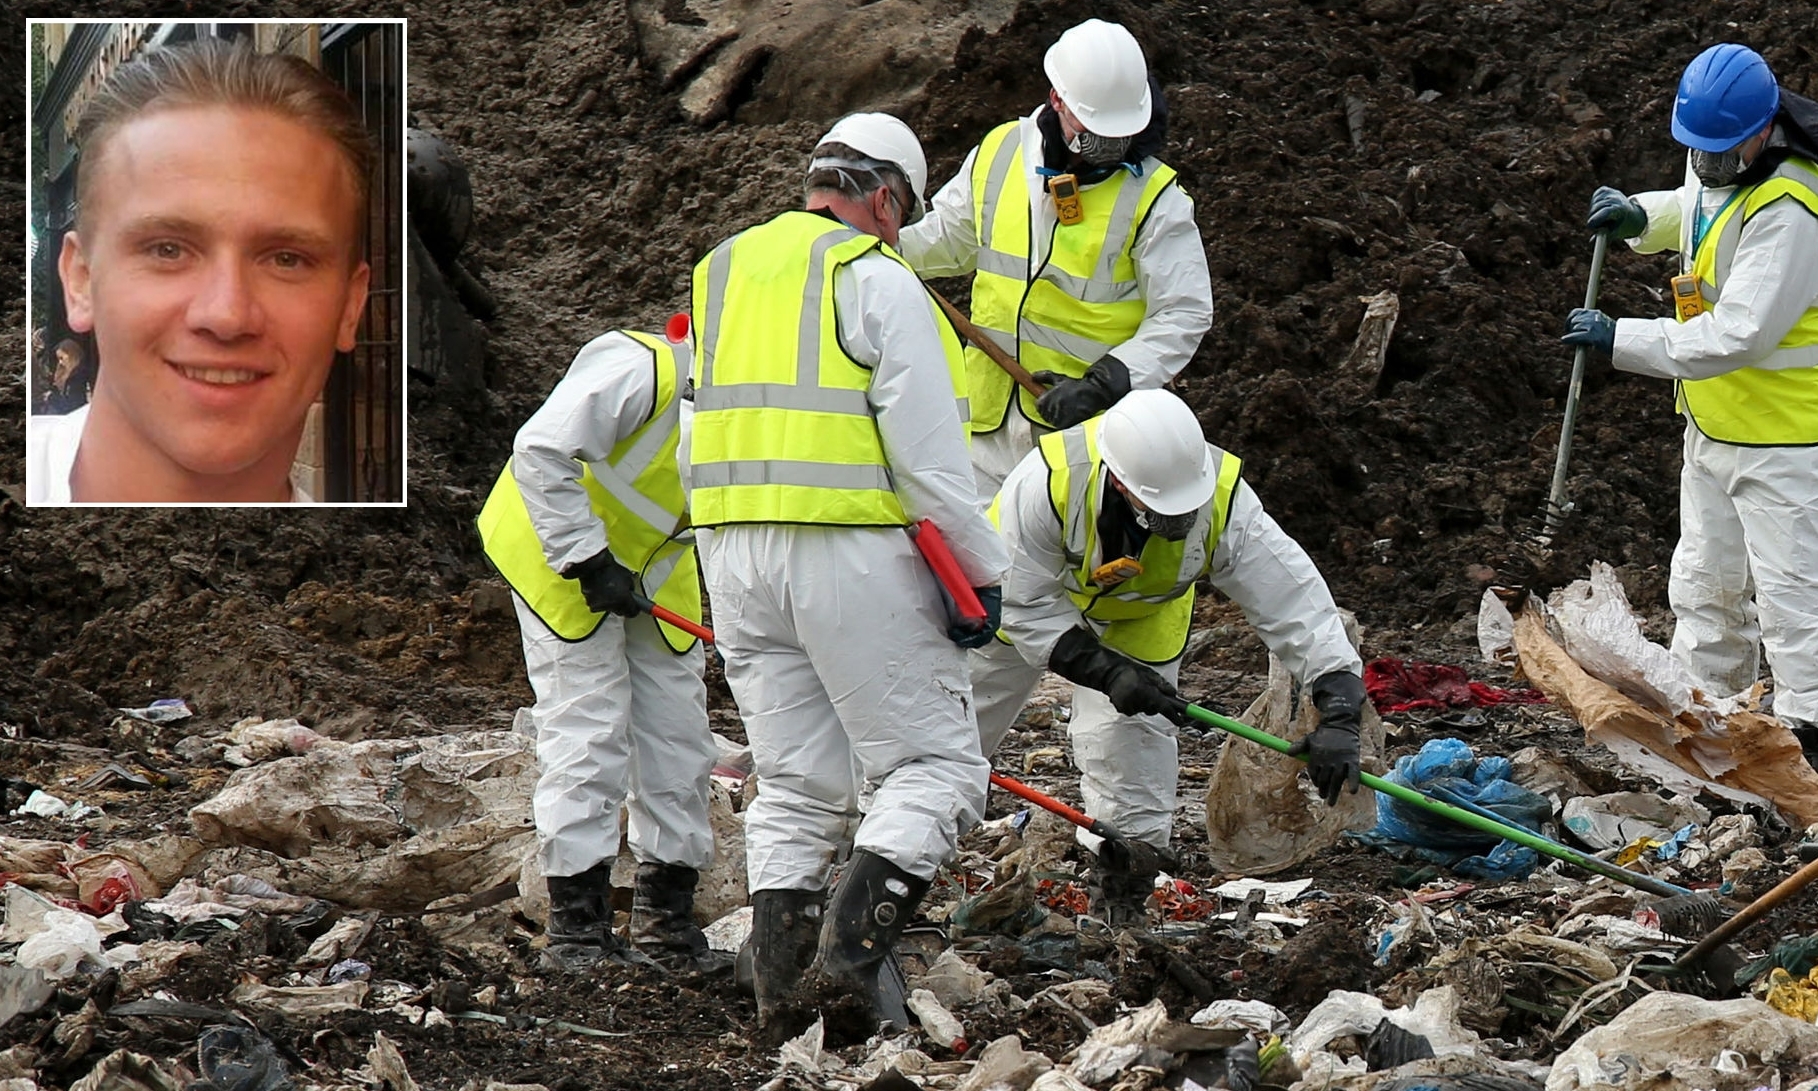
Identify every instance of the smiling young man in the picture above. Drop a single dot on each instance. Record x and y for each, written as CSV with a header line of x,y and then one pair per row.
x,y
217,258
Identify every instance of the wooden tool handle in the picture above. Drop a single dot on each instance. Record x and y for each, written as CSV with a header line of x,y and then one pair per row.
x,y
989,347
1750,913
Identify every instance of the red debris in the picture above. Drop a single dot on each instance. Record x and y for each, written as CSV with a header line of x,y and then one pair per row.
x,y
1395,685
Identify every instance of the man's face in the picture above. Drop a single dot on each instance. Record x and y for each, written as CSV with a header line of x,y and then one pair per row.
x,y
217,262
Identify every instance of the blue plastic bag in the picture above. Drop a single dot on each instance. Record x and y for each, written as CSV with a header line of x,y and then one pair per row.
x,y
1450,766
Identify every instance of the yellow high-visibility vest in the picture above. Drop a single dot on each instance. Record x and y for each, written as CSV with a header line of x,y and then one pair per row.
x,y
1080,304
637,492
783,426
1756,406
1150,614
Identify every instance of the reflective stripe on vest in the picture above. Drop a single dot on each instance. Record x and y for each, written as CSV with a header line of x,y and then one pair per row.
x,y
1757,406
636,491
1084,301
783,425
1149,615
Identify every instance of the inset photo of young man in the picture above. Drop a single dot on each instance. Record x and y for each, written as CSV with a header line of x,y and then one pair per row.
x,y
217,258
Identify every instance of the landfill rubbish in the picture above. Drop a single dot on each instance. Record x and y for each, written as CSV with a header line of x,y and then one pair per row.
x,y
235,1058
1450,765
23,990
1619,818
162,711
1670,1041
937,1022
1260,1019
1635,699
1260,816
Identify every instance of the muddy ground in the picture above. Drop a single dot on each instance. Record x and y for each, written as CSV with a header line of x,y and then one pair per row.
x,y
1441,151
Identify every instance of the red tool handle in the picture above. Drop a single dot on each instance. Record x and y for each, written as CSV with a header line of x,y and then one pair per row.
x,y
947,570
1046,802
664,613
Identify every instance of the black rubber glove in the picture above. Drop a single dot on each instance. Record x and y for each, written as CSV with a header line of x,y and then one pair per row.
x,y
608,586
1617,213
1592,329
1067,402
1135,689
972,634
1333,758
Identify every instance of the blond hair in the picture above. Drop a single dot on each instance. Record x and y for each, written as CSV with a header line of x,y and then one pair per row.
x,y
216,72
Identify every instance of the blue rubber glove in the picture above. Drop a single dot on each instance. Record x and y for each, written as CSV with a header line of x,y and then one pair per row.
x,y
972,634
1592,329
1617,213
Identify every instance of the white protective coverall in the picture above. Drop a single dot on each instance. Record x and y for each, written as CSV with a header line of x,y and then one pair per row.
x,y
835,638
1745,571
1129,764
1171,271
620,717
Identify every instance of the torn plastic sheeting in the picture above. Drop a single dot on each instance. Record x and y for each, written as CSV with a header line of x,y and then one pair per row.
x,y
162,711
302,1001
234,895
1273,893
1261,816
1618,818
1397,685
1433,1016
730,931
233,1058
64,941
252,741
1005,1063
1669,1041
1255,1016
122,1070
955,982
1114,1047
23,990
1743,756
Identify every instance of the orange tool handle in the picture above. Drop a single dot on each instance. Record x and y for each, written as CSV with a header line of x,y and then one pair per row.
x,y
947,570
664,613
1046,802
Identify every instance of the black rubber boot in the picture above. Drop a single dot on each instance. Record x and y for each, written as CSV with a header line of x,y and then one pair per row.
x,y
1120,894
867,914
580,923
785,926
662,919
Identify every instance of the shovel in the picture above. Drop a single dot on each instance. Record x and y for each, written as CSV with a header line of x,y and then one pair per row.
x,y
1485,822
1119,851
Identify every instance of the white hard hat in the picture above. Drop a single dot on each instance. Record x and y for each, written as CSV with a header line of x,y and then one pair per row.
x,y
1098,70
887,140
1152,441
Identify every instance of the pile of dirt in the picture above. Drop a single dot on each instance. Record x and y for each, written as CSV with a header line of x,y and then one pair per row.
x,y
1444,152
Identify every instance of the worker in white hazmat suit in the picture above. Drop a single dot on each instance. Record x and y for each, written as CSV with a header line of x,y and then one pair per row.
x,y
1742,349
587,524
1087,264
828,418
1109,525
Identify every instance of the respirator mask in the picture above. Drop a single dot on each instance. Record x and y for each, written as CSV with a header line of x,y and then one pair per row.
x,y
1718,169
1100,151
1174,528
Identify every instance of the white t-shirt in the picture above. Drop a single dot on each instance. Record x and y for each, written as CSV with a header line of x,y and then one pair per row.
x,y
50,455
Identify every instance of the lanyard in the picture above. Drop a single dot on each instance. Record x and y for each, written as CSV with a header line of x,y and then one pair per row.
x,y
1702,223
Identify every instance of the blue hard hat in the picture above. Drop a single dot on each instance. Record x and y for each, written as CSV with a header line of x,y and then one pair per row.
x,y
1727,95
